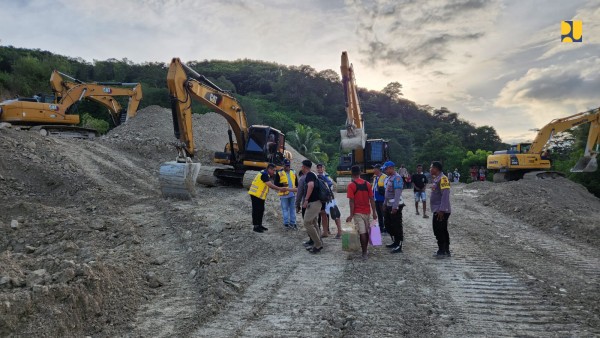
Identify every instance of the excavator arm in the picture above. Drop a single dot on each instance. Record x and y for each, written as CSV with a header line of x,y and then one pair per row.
x,y
353,137
556,126
186,85
103,93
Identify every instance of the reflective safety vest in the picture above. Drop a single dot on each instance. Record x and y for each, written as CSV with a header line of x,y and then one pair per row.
x,y
284,181
379,182
258,187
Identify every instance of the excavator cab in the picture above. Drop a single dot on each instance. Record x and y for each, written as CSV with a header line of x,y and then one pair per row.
x,y
265,144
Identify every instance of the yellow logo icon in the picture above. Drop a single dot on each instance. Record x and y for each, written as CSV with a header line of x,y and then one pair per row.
x,y
571,31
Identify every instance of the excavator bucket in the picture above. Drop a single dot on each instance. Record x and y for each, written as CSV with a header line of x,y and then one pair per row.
x,y
353,141
178,180
586,164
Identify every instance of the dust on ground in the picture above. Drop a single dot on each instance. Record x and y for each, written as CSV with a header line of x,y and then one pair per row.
x,y
88,247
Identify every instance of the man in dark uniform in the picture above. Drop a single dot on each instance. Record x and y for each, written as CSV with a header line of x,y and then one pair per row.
x,y
440,207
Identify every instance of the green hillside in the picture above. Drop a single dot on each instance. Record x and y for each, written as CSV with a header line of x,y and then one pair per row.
x,y
281,96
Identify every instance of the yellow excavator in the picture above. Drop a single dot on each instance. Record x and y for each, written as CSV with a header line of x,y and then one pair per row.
x,y
531,161
56,114
253,149
361,151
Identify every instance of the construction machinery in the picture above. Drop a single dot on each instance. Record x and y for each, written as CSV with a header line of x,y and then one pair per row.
x,y
56,114
253,149
361,151
531,161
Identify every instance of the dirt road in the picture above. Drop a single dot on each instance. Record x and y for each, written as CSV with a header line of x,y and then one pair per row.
x,y
504,278
88,247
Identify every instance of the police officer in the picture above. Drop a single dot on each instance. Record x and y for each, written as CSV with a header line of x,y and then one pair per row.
x,y
258,194
440,207
393,206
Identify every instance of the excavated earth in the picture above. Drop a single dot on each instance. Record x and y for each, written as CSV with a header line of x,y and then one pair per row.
x,y
88,247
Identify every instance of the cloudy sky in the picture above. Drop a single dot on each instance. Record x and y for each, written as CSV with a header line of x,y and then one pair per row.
x,y
498,63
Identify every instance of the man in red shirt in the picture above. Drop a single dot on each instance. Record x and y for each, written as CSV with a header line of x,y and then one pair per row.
x,y
362,206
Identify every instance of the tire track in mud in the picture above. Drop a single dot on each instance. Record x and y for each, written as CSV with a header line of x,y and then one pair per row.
x,y
487,296
285,300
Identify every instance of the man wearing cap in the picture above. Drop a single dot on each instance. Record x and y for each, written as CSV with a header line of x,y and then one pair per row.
x,y
313,205
287,178
393,207
379,193
440,207
362,205
258,194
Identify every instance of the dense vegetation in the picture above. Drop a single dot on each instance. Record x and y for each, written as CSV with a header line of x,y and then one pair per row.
x,y
294,99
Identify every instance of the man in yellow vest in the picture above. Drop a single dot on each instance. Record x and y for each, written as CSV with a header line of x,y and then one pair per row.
x,y
287,178
258,194
379,193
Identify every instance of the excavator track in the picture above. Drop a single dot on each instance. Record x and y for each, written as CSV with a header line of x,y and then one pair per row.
x,y
542,175
65,131
249,176
206,176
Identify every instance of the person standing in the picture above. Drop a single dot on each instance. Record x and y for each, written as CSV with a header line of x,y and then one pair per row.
x,y
258,194
456,175
362,205
419,182
287,178
440,207
313,206
323,216
379,194
393,207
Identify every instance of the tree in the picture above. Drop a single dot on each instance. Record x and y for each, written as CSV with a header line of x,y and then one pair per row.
x,y
393,90
307,142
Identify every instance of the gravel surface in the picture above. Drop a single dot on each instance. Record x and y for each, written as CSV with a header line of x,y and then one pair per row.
x,y
88,247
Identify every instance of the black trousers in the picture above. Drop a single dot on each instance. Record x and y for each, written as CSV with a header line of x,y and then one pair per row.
x,y
379,207
393,223
440,230
258,210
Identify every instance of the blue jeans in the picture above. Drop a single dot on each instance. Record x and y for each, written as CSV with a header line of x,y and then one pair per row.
x,y
288,207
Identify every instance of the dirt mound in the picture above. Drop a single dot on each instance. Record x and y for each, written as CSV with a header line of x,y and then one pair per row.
x,y
86,239
151,134
557,205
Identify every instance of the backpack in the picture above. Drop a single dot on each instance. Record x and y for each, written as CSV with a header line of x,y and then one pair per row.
x,y
361,187
323,191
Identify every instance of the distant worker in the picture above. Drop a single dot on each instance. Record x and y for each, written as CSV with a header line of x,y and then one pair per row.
x,y
474,173
419,183
482,173
379,194
313,205
393,206
362,206
287,178
456,175
440,207
258,194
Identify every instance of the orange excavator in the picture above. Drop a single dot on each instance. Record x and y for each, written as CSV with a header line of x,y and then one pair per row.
x,y
530,160
358,149
253,149
56,114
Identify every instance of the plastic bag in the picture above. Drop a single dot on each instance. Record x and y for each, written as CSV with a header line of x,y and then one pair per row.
x,y
350,239
375,234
